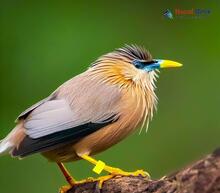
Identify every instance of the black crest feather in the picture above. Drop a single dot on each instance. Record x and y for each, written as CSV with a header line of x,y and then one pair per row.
x,y
128,53
134,52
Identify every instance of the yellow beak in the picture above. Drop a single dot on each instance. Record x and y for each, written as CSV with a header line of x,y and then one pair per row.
x,y
169,64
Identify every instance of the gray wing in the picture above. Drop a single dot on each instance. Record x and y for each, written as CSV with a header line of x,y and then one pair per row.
x,y
78,108
30,109
51,117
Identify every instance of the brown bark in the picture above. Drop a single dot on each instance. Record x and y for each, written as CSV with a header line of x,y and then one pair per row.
x,y
201,177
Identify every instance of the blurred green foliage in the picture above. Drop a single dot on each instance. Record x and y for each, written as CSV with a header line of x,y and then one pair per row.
x,y
43,44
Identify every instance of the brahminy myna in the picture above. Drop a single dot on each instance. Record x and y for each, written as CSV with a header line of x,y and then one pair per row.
x,y
91,112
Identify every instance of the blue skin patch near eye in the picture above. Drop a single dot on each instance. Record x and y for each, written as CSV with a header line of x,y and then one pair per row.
x,y
147,66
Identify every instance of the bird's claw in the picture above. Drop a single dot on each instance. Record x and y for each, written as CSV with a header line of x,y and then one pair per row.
x,y
119,172
64,189
115,172
102,179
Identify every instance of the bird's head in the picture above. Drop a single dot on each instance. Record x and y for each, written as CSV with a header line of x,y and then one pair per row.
x,y
133,70
131,64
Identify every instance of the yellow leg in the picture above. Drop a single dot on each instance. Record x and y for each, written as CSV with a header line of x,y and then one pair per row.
x,y
100,166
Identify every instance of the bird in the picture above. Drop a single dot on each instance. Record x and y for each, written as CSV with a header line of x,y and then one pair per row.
x,y
91,112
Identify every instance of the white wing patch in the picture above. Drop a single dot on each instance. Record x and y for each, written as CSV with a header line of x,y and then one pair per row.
x,y
52,116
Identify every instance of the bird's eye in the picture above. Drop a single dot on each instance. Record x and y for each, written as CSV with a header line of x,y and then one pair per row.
x,y
141,63
149,62
138,64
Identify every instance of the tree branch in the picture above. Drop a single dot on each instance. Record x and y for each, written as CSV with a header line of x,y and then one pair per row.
x,y
201,177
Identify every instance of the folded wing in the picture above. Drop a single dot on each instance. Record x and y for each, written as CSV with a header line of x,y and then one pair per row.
x,y
78,108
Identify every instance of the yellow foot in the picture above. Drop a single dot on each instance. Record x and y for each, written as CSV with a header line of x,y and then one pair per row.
x,y
119,172
89,179
64,189
114,172
102,179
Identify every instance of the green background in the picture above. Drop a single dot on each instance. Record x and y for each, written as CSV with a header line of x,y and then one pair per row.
x,y
43,44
